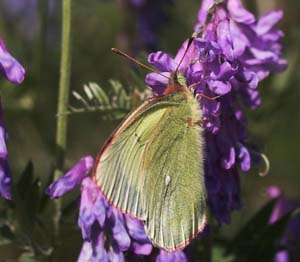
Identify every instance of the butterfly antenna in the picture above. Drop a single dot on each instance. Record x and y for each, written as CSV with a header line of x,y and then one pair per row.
x,y
121,53
191,39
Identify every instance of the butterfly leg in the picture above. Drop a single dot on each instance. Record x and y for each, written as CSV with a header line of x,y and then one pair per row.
x,y
207,97
201,94
191,123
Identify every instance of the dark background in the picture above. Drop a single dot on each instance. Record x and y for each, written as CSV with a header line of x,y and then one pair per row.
x,y
30,109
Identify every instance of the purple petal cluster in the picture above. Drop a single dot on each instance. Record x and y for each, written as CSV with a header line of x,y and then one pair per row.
x,y
233,53
291,238
107,233
107,229
14,72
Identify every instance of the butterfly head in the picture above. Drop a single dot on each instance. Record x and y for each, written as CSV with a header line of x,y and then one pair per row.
x,y
176,83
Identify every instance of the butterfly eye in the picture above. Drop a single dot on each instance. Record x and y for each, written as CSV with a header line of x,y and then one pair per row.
x,y
181,79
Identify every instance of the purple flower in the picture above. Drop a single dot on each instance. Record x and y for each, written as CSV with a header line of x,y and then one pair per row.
x,y
72,178
95,209
230,57
121,232
107,232
255,44
10,68
13,71
291,238
99,222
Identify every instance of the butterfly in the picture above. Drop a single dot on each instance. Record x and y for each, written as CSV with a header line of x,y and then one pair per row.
x,y
151,167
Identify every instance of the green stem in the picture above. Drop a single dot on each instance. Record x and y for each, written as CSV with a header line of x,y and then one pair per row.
x,y
63,98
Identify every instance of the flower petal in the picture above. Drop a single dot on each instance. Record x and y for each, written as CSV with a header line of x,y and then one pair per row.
x,y
202,14
176,256
225,39
184,57
142,248
86,219
245,159
12,70
72,178
3,134
157,82
274,191
115,254
5,180
120,234
239,39
195,72
207,50
239,13
136,229
162,61
223,72
219,87
100,209
94,251
267,21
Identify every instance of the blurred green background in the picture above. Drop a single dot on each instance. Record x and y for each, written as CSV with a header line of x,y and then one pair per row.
x,y
32,35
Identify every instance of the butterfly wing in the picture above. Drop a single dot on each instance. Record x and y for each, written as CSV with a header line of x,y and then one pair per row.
x,y
175,195
119,164
151,168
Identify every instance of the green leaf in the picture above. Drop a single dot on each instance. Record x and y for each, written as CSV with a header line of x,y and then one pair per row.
x,y
95,99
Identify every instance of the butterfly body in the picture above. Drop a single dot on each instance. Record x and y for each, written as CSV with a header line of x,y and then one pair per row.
x,y
152,168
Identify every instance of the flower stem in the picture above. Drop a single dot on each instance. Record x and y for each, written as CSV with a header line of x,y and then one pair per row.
x,y
63,98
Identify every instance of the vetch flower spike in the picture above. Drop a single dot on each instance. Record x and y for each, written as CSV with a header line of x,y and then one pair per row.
x,y
107,233
231,54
